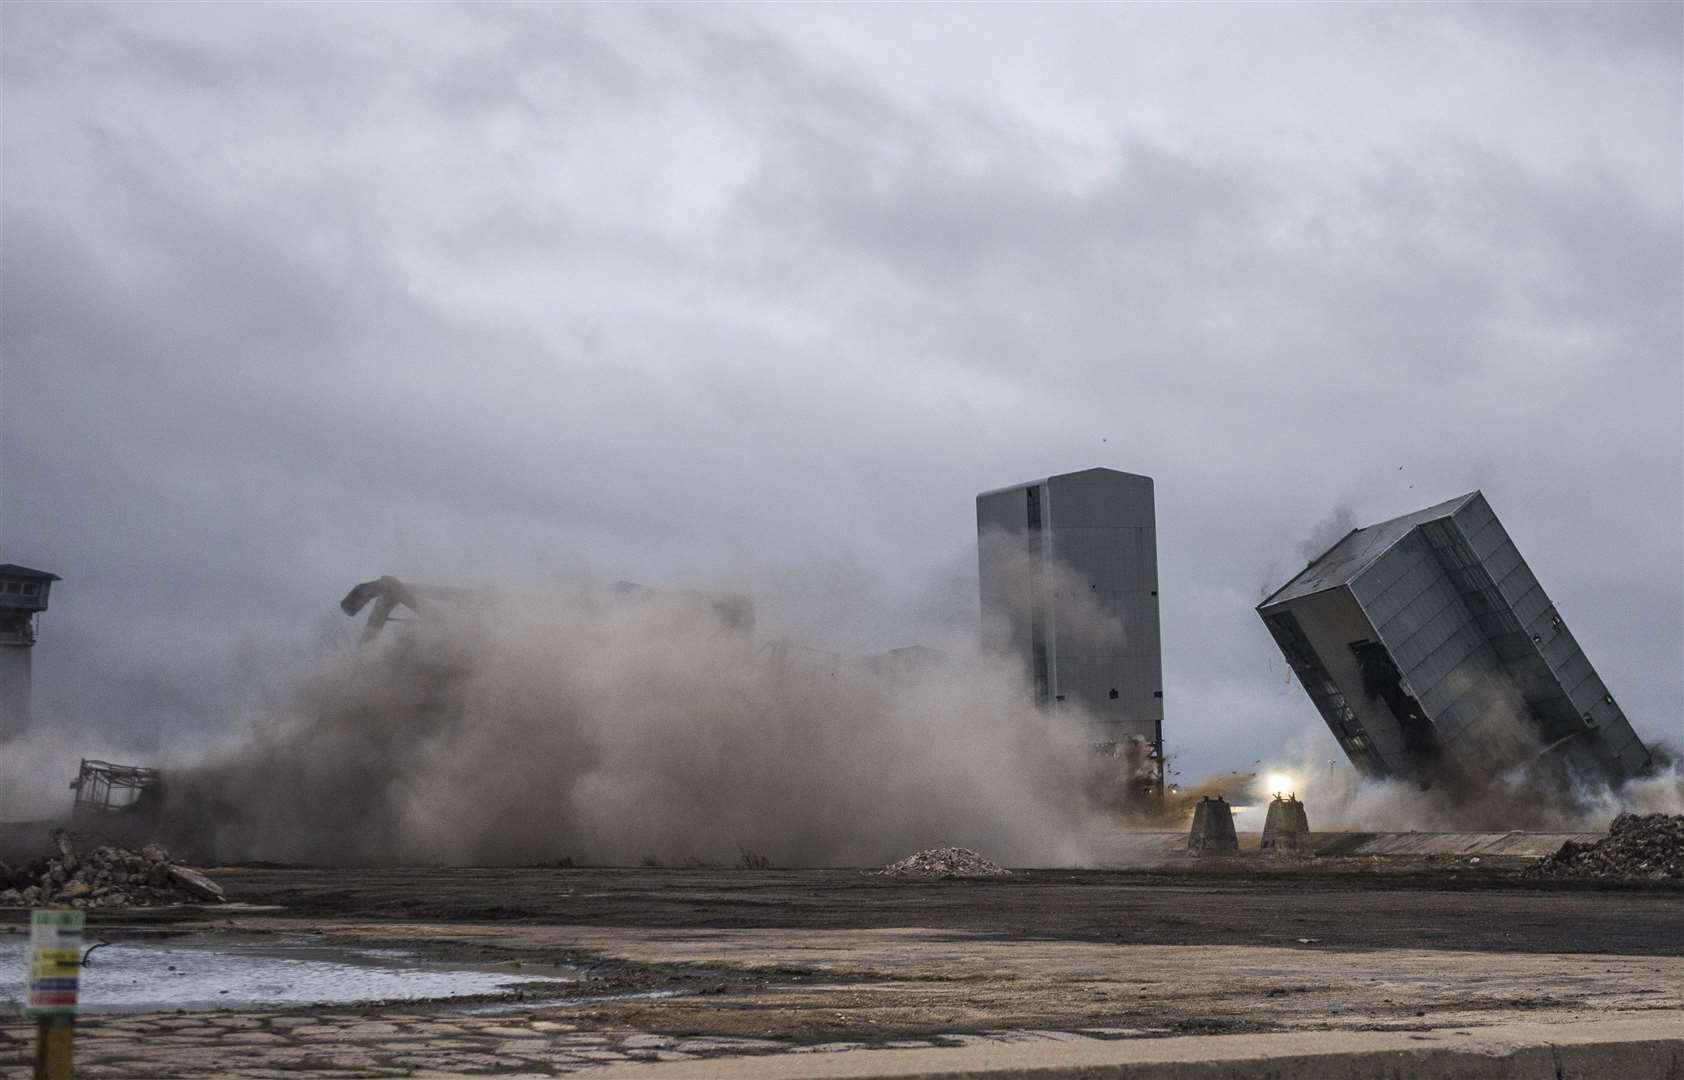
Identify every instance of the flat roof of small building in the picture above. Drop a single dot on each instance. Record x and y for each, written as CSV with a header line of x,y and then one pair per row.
x,y
14,570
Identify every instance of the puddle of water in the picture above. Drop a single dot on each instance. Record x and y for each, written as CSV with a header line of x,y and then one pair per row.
x,y
197,973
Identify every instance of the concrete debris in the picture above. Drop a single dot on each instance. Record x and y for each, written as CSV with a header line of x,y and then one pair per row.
x,y
104,876
1637,846
191,881
944,863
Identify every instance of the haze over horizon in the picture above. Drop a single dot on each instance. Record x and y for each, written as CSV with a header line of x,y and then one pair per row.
x,y
760,298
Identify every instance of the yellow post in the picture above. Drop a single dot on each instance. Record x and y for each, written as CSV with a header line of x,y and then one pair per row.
x,y
55,966
55,1048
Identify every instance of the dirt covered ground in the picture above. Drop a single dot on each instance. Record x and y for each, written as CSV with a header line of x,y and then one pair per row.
x,y
1410,904
693,964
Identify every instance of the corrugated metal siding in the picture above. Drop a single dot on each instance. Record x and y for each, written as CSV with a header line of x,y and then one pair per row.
x,y
1099,524
1102,531
1476,641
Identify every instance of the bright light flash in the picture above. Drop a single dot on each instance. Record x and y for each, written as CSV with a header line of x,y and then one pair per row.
x,y
1280,784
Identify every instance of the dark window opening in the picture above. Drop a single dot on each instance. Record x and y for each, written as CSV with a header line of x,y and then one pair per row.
x,y
1059,698
1157,693
1034,495
1113,694
1381,679
1330,702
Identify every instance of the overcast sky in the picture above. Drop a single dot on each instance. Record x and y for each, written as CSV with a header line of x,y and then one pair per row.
x,y
710,295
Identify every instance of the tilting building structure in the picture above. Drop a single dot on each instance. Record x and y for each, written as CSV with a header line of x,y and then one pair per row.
x,y
1433,653
1068,572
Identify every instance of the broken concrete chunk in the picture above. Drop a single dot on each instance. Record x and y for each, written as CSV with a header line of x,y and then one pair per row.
x,y
67,854
107,876
197,884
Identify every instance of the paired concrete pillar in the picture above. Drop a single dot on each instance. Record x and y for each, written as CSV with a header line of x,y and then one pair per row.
x,y
1286,828
1213,826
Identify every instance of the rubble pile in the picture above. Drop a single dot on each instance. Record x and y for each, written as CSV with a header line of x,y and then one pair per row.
x,y
1637,846
943,863
104,876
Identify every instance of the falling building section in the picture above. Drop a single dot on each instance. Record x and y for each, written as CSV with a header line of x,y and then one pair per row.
x,y
1433,653
1068,569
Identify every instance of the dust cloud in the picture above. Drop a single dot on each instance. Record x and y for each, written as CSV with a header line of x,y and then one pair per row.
x,y
1023,585
1327,532
587,727
1524,796
1338,798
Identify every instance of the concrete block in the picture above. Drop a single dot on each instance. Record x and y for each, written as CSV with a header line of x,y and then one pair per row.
x,y
1213,826
1287,828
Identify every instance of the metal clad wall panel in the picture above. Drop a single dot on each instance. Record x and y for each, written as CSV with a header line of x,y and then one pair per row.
x,y
1101,531
1098,525
1475,639
1331,620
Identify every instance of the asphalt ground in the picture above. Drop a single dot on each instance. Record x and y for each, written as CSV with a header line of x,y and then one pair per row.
x,y
1455,908
731,972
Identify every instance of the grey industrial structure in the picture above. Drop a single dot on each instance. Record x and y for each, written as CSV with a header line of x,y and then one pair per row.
x,y
23,596
1433,653
1068,572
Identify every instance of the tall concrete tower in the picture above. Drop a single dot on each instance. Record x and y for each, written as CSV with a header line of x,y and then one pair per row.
x,y
1068,570
23,596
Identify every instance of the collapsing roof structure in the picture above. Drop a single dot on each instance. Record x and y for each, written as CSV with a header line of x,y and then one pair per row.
x,y
102,787
1433,653
733,611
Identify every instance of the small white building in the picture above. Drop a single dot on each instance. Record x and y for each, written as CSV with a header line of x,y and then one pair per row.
x,y
23,596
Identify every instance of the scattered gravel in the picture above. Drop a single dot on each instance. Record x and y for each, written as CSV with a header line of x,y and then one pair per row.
x,y
942,863
1637,846
104,876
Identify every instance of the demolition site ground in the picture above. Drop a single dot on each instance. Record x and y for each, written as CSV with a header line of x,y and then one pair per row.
x,y
797,973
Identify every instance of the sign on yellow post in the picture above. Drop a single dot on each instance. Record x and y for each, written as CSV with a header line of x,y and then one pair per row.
x,y
55,962
55,966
